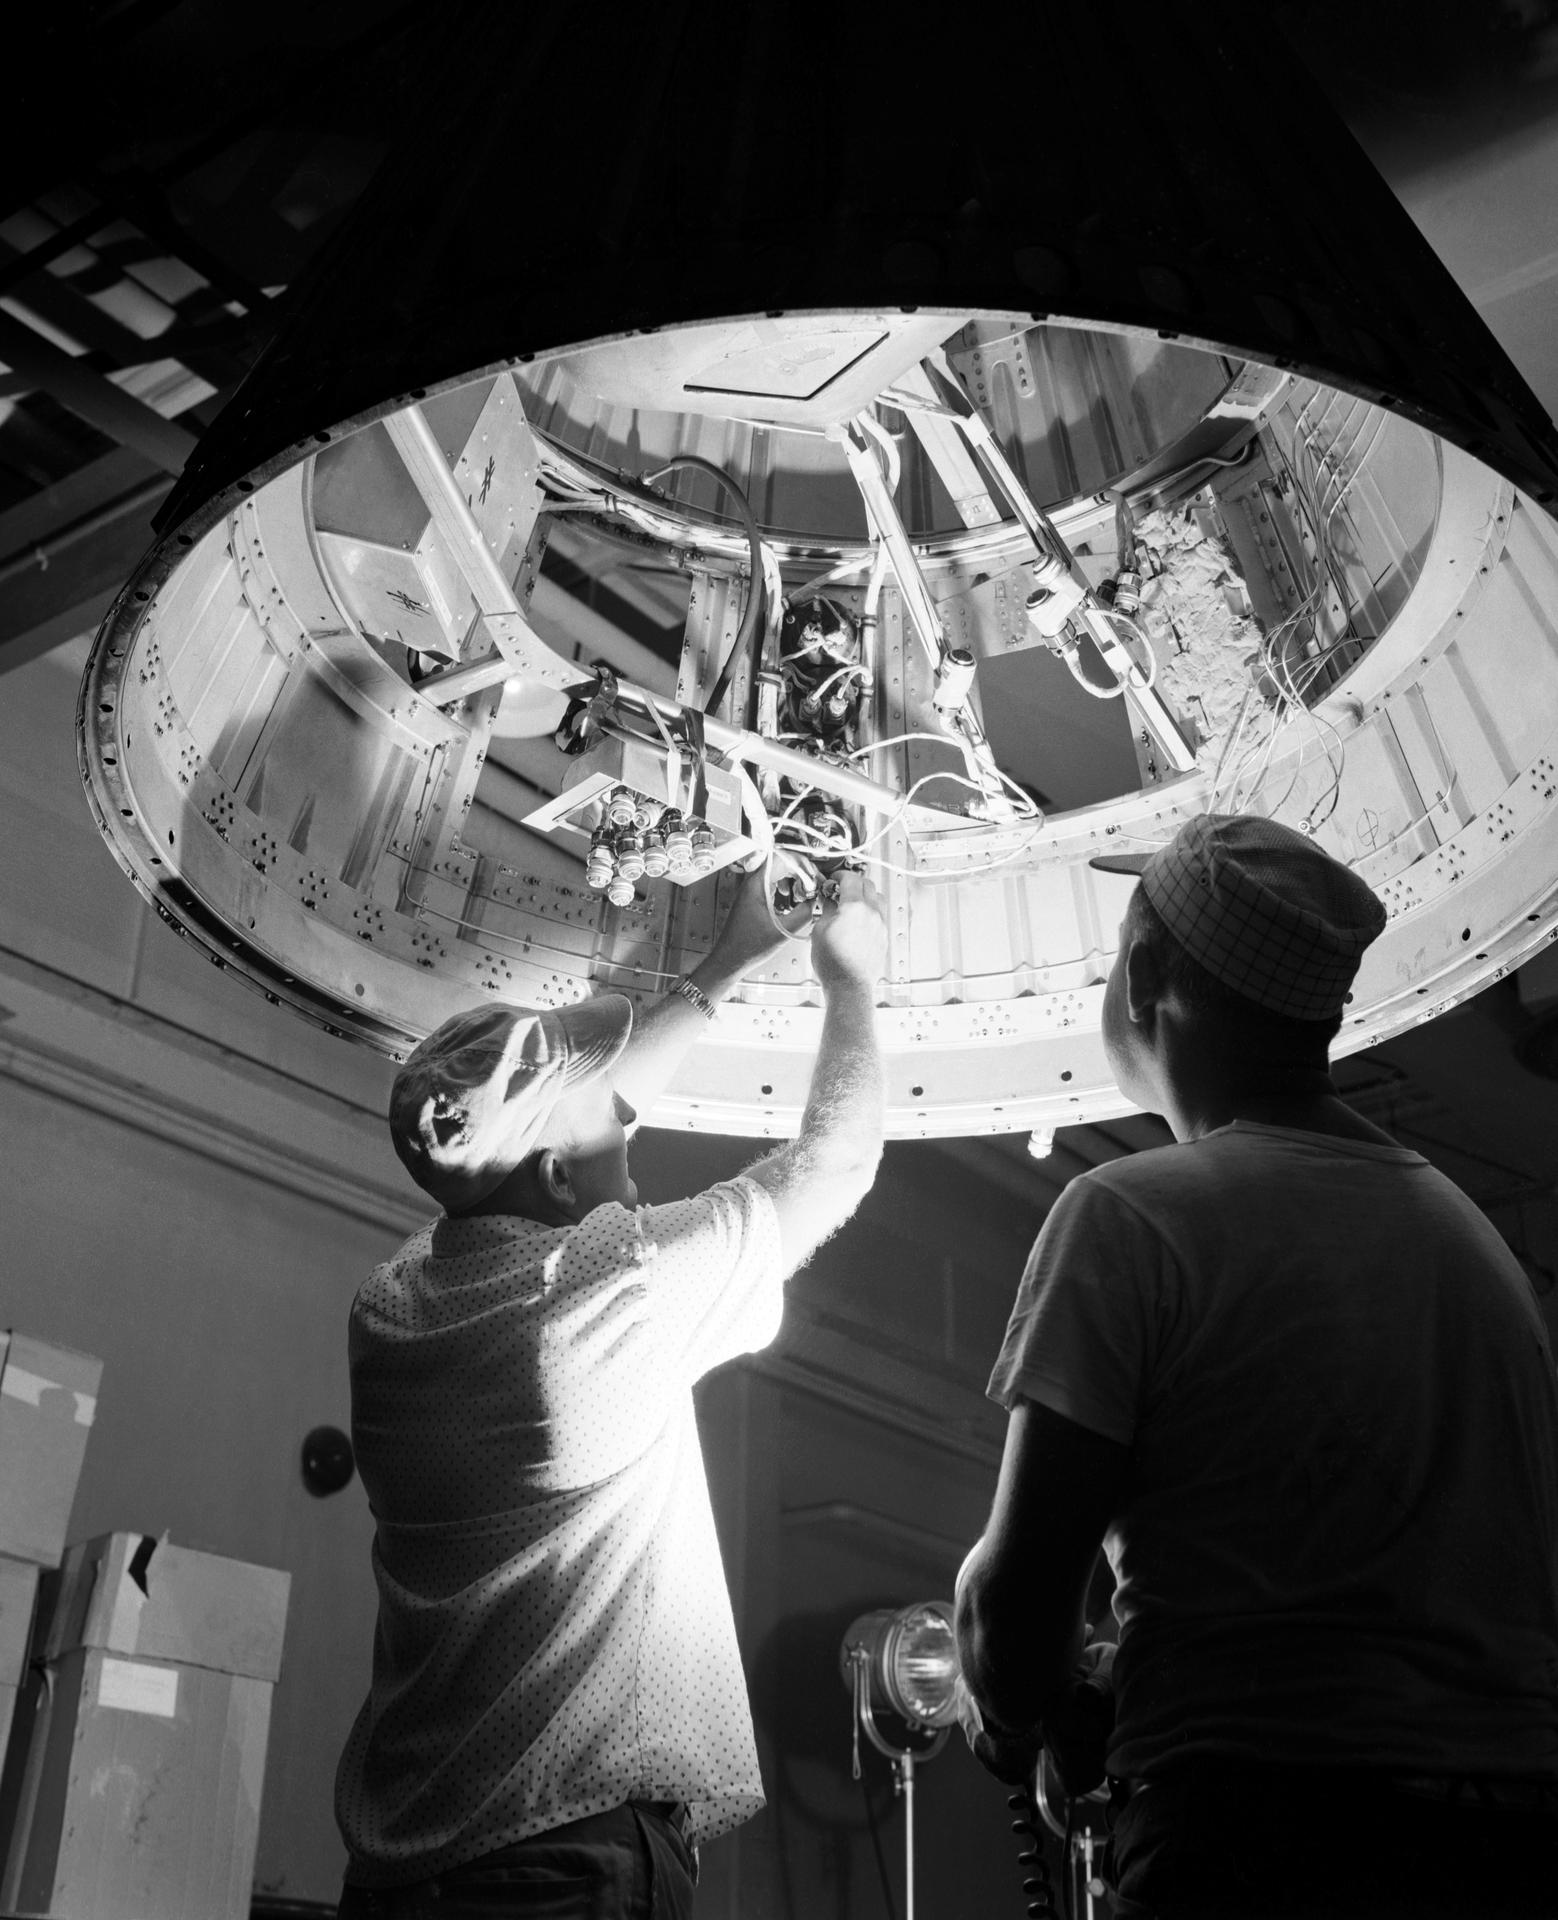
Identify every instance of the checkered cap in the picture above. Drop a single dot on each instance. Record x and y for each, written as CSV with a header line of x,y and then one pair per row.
x,y
471,1101
1262,908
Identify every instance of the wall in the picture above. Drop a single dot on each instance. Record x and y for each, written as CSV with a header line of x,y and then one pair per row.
x,y
181,1202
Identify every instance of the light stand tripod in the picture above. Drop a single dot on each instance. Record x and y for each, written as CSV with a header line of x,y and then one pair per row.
x,y
903,1759
907,1662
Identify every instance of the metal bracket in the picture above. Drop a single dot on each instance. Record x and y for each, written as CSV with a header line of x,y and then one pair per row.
x,y
502,620
1145,704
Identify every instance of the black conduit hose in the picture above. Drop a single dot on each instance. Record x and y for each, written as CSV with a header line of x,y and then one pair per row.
x,y
746,639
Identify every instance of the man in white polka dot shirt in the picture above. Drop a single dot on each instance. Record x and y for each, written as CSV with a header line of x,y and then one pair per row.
x,y
558,1714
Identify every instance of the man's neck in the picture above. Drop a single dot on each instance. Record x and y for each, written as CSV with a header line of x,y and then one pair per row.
x,y
1327,1113
1204,1095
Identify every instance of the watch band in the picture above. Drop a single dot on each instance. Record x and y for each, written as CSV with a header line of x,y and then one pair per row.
x,y
695,996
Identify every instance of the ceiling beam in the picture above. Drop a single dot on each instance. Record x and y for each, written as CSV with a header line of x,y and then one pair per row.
x,y
63,584
92,398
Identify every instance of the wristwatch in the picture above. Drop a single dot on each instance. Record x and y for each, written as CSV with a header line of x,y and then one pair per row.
x,y
695,996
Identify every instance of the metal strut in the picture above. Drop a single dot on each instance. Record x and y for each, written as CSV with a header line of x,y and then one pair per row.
x,y
1145,703
952,682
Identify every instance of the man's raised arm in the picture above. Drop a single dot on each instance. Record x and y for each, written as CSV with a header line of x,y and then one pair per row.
x,y
665,1030
818,1180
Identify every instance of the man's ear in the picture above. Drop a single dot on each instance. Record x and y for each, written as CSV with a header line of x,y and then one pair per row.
x,y
554,1181
1142,983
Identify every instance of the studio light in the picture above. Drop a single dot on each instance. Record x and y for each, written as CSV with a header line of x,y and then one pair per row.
x,y
904,1662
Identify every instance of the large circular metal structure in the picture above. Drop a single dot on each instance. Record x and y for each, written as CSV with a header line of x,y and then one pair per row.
x,y
1043,515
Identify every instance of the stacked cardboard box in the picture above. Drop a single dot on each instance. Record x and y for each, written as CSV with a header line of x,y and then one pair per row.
x,y
18,1594
48,1397
139,1795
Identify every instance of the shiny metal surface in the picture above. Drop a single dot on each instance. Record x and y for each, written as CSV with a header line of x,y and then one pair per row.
x,y
316,779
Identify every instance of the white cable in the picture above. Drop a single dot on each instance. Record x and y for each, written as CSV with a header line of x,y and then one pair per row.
x,y
1144,686
1073,662
940,740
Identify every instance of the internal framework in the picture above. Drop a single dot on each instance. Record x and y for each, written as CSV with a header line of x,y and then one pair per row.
x,y
491,694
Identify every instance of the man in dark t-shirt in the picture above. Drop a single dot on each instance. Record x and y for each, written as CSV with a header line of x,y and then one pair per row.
x,y
1299,1387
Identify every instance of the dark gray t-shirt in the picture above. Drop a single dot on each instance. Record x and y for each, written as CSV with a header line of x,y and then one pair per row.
x,y
1339,1538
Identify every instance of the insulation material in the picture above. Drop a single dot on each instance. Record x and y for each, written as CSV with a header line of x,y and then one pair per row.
x,y
1196,612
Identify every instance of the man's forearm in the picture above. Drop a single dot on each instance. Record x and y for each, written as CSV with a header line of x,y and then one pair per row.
x,y
846,1102
1017,1649
666,1030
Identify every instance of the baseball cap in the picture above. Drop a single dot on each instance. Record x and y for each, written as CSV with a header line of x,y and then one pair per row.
x,y
1261,907
472,1099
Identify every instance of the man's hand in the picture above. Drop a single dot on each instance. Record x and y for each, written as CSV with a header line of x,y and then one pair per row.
x,y
850,940
1075,1735
1077,1731
1012,1757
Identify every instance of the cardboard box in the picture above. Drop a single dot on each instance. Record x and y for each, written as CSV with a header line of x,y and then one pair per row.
x,y
48,1398
132,1593
18,1598
139,1794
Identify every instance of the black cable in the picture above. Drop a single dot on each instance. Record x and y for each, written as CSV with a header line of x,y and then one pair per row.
x,y
745,640
1067,1865
1038,1886
876,1845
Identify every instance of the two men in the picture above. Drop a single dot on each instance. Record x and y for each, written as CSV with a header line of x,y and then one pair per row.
x,y
558,1715
1298,1386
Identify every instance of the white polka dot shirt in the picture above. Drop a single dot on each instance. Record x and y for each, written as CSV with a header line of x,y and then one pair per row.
x,y
554,1633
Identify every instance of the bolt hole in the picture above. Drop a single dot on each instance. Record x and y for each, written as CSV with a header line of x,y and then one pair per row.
x,y
916,1092
1465,933
1067,1074
170,839
765,1089
246,486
